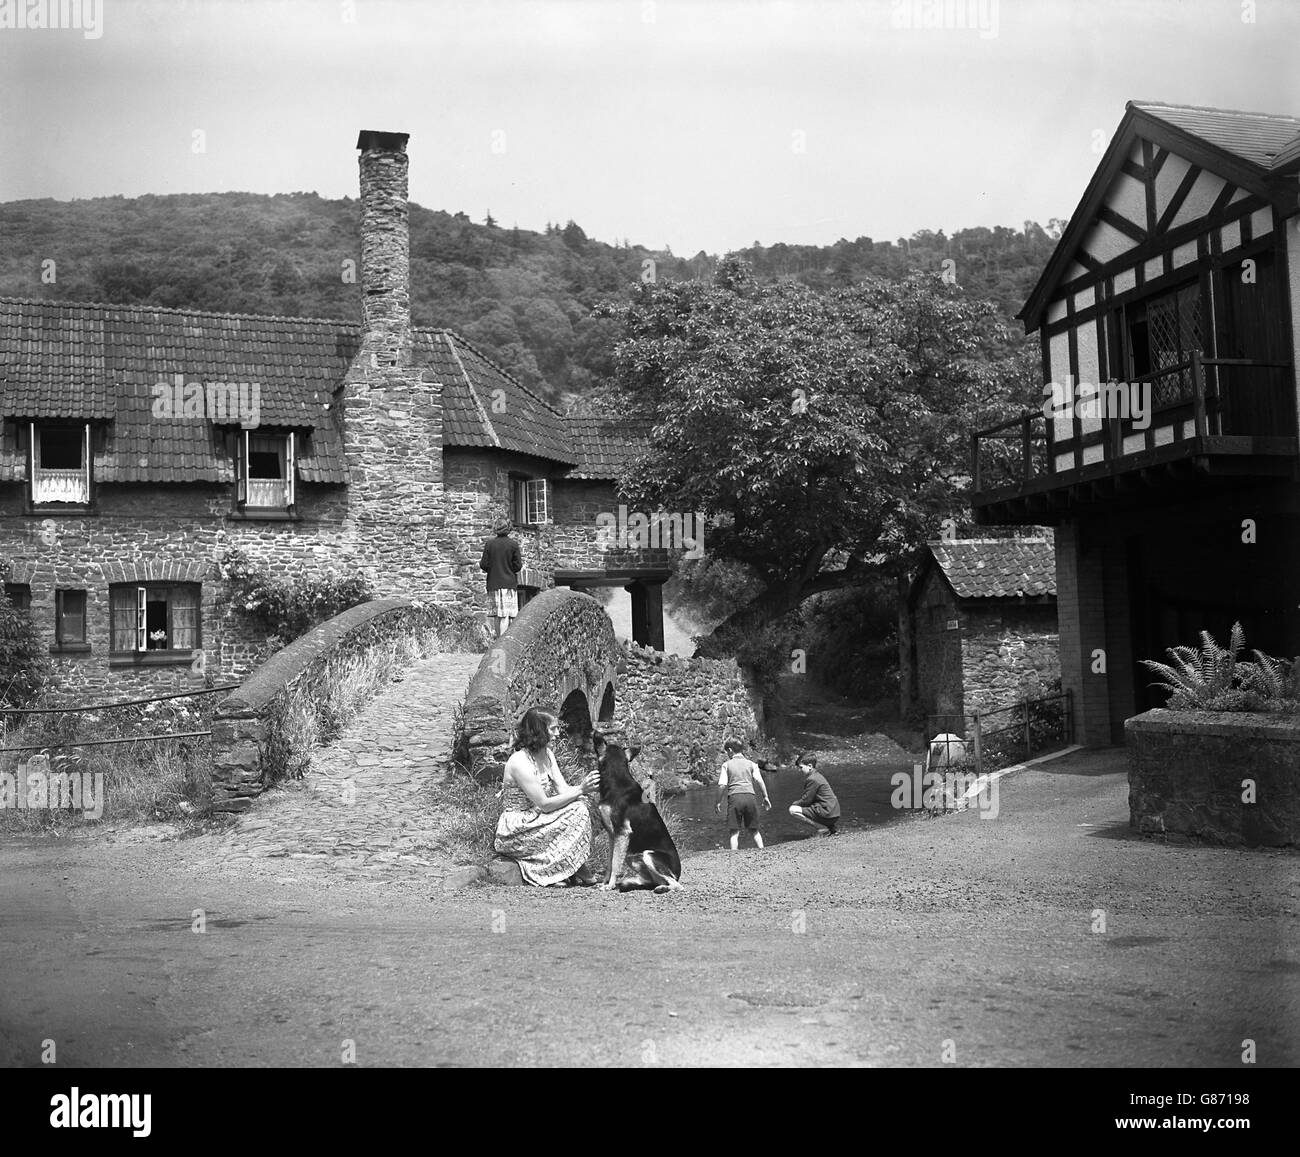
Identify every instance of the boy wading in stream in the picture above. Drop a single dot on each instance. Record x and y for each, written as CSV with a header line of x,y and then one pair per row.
x,y
736,782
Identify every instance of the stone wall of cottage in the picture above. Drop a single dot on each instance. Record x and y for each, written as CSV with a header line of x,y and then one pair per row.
x,y
1008,654
478,494
478,498
176,534
681,711
992,656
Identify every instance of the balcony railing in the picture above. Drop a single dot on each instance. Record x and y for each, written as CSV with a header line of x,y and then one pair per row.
x,y
60,486
1203,405
268,492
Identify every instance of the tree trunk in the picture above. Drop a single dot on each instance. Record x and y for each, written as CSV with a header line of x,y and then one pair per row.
x,y
907,682
782,597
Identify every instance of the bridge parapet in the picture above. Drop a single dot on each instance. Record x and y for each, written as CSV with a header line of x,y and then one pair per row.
x,y
266,729
561,655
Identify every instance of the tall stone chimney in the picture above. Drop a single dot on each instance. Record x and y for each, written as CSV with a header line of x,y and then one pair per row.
x,y
385,247
391,407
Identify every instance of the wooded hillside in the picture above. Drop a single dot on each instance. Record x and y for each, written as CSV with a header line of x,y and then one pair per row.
x,y
526,298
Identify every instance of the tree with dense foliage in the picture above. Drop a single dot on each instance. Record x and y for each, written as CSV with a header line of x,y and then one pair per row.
x,y
24,657
827,433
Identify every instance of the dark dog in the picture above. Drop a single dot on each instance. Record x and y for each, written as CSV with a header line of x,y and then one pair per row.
x,y
639,842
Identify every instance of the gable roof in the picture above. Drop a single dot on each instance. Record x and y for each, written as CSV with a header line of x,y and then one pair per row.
x,y
100,362
981,568
1251,150
484,406
1254,137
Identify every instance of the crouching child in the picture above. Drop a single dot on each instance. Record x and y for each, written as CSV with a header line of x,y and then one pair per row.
x,y
817,807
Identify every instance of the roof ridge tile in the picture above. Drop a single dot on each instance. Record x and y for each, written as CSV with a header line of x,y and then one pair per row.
x,y
171,309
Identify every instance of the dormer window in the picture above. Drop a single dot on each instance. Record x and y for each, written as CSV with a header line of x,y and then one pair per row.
x,y
265,470
60,464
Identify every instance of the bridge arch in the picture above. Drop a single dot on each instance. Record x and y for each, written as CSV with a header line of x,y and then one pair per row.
x,y
561,655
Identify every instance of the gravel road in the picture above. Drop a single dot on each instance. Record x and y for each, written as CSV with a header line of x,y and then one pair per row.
x,y
907,944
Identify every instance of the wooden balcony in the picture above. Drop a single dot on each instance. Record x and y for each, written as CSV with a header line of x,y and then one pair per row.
x,y
1209,418
71,486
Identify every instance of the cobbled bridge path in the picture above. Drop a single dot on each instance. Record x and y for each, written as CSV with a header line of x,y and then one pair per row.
x,y
362,811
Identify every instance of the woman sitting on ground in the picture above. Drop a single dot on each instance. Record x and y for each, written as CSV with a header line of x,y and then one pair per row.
x,y
545,826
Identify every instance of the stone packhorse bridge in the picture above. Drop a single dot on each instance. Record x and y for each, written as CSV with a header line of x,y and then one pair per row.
x,y
560,654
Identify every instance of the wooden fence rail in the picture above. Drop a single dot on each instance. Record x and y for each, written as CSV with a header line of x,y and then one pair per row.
x,y
1023,722
109,707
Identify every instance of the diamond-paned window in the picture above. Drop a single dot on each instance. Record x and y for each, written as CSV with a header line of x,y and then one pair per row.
x,y
1163,332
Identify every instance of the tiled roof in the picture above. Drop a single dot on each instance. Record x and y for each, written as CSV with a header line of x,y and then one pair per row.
x,y
484,406
101,362
981,568
1264,139
605,445
66,360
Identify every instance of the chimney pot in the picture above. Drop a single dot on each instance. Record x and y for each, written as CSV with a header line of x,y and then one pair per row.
x,y
369,140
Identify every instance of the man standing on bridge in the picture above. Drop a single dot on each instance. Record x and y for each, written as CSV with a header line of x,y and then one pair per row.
x,y
503,562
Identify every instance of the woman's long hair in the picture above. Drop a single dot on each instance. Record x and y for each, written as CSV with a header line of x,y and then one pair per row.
x,y
534,730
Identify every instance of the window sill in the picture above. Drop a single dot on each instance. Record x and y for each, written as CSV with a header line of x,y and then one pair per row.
x,y
152,658
264,514
66,509
69,648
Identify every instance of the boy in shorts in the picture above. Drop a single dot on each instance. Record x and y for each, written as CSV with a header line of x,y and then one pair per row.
x,y
736,781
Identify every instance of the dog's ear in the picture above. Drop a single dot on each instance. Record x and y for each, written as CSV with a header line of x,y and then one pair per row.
x,y
632,753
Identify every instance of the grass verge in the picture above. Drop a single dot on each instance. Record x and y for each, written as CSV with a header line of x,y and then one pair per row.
x,y
134,782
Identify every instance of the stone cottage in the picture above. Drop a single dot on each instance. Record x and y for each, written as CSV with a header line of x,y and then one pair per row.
x,y
138,444
978,628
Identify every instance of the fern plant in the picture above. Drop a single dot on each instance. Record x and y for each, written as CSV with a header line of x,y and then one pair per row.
x,y
1266,677
1216,679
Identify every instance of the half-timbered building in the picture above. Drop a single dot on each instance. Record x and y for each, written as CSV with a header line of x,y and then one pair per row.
x,y
1165,452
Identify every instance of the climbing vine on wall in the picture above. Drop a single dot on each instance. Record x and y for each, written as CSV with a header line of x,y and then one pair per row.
x,y
288,608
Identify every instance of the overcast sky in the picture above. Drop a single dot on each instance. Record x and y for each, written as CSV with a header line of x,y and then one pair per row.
x,y
698,125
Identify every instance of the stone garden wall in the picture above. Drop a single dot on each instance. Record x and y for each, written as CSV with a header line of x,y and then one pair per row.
x,y
1189,772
